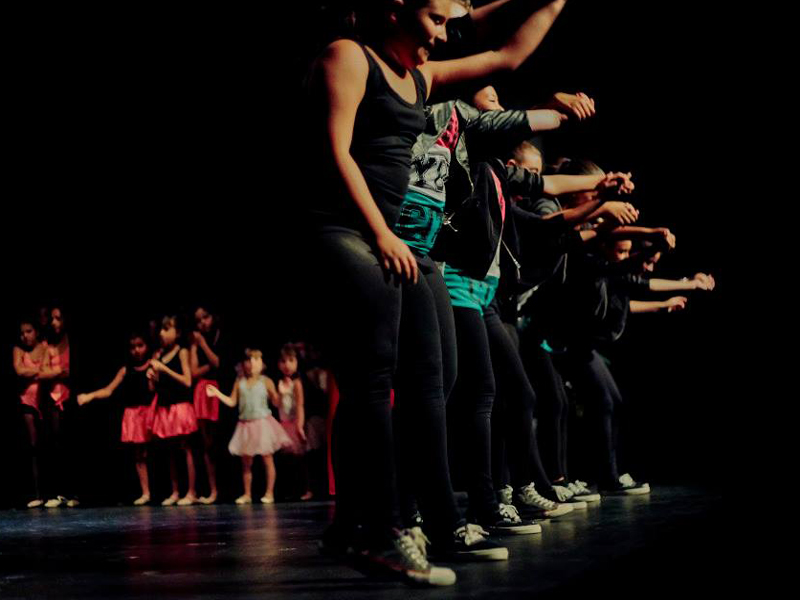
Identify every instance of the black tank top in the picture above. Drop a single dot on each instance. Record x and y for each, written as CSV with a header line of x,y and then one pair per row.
x,y
170,391
202,359
134,388
385,129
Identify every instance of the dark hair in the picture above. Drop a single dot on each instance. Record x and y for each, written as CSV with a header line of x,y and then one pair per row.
x,y
288,351
578,166
179,323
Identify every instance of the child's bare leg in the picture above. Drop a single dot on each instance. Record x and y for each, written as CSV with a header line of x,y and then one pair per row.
x,y
30,425
247,479
269,466
191,494
173,475
141,470
207,431
303,464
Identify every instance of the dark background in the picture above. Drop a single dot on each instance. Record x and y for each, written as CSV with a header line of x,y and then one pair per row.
x,y
153,162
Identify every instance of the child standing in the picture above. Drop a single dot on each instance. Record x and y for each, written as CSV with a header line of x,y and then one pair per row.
x,y
291,409
257,433
137,394
174,417
28,359
204,359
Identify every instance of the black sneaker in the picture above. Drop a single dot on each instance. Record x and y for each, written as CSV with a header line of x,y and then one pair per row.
x,y
469,544
405,560
582,491
506,521
626,486
563,495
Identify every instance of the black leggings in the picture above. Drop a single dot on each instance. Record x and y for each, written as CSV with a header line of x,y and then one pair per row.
x,y
58,445
377,325
552,411
595,386
513,424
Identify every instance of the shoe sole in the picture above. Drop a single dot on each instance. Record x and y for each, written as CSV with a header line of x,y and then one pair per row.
x,y
578,504
437,577
519,530
637,491
493,554
588,497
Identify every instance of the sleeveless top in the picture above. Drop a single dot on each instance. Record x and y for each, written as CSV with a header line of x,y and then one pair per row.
x,y
60,391
134,388
202,359
385,129
170,391
29,392
253,401
287,408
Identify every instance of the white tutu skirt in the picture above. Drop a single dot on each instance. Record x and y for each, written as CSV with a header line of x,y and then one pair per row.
x,y
258,437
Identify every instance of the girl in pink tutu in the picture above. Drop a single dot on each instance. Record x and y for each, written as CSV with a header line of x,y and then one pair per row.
x,y
174,416
257,433
137,394
29,356
291,409
204,358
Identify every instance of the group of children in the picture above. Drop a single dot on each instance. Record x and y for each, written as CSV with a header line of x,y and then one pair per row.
x,y
169,393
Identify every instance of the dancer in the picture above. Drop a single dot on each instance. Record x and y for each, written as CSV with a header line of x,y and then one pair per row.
x,y
204,358
29,356
257,432
174,418
291,409
138,397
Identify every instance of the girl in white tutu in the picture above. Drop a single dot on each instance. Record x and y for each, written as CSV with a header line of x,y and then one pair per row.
x,y
257,433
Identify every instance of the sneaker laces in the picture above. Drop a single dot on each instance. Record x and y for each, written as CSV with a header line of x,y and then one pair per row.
x,y
509,512
563,493
505,494
420,539
471,534
627,480
580,487
408,544
529,495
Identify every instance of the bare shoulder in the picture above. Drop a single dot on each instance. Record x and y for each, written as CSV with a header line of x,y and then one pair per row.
x,y
344,55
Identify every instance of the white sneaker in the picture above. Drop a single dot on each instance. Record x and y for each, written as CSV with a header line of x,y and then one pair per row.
x,y
581,491
566,496
505,495
407,560
627,487
529,500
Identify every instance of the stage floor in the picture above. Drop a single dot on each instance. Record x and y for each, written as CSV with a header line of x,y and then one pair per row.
x,y
670,541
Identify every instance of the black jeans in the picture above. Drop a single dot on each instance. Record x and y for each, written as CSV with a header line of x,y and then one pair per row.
x,y
382,334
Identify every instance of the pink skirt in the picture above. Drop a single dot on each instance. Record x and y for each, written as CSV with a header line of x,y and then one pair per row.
x,y
175,420
30,397
257,437
205,407
137,424
298,446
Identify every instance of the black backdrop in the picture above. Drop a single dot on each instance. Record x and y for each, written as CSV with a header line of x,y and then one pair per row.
x,y
151,164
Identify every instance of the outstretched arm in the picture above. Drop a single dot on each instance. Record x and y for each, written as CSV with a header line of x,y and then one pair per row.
x,y
700,281
651,306
231,400
103,392
508,57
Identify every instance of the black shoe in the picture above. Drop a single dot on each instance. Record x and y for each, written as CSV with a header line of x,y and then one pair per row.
x,y
506,521
405,559
469,544
626,486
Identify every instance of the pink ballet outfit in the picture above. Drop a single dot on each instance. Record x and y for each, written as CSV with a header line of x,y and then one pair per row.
x,y
205,406
174,414
30,396
257,432
59,392
287,410
140,408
